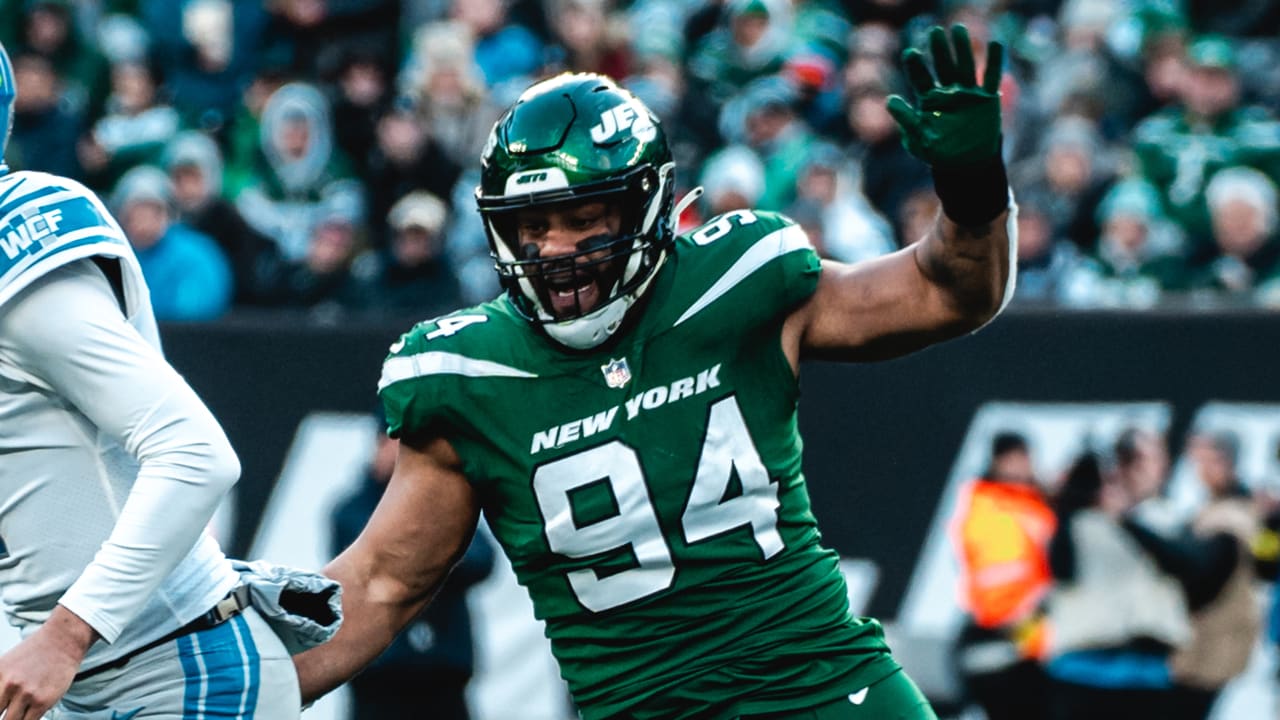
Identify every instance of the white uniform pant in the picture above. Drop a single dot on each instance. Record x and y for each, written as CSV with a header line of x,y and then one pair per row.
x,y
238,670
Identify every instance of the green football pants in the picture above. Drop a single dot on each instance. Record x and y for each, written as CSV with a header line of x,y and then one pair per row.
x,y
894,698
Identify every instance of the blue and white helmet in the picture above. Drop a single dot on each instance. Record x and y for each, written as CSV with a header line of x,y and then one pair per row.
x,y
8,90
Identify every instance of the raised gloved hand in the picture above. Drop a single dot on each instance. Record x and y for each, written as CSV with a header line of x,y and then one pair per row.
x,y
957,121
955,127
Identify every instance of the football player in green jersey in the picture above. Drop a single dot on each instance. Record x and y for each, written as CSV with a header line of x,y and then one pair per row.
x,y
624,415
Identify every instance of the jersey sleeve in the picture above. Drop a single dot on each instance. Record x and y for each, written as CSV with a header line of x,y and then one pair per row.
x,y
797,265
66,333
400,389
752,265
422,384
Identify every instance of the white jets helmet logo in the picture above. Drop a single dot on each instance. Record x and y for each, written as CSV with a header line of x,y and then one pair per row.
x,y
629,115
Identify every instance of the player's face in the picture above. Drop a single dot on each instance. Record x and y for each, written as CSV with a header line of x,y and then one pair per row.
x,y
578,285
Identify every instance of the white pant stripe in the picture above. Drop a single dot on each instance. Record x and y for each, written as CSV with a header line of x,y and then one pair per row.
x,y
201,703
248,677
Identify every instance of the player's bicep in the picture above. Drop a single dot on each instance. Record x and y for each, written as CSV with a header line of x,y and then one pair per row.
x,y
872,310
421,526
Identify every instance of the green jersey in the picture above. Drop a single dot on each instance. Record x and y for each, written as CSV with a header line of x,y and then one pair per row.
x,y
1181,159
649,492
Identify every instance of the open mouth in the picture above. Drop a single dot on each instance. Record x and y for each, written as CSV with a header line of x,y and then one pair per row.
x,y
574,300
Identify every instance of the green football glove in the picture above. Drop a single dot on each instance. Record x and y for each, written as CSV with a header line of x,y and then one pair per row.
x,y
957,122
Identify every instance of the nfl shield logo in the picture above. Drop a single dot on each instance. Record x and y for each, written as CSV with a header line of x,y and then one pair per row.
x,y
616,373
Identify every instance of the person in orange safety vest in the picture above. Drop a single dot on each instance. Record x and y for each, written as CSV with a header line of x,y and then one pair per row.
x,y
1001,531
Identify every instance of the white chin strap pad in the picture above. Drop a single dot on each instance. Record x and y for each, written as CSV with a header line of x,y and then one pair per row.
x,y
599,325
593,328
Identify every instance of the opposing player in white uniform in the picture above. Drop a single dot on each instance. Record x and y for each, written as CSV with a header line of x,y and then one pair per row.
x,y
110,469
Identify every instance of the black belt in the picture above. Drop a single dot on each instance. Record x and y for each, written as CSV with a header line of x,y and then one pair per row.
x,y
228,607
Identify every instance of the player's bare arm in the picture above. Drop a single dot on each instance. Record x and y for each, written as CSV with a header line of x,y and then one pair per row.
x,y
958,276
421,527
948,284
968,266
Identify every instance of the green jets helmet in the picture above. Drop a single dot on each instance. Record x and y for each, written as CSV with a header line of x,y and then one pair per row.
x,y
573,137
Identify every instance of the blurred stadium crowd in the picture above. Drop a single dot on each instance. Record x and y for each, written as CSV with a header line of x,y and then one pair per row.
x,y
321,154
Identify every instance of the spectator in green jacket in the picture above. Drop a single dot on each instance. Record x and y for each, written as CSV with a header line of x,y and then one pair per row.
x,y
1138,257
1181,147
1242,212
137,126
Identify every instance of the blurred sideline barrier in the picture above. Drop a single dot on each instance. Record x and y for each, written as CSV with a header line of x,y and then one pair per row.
x,y
881,440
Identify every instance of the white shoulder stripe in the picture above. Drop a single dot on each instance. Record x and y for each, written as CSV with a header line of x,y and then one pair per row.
x,y
443,363
776,244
